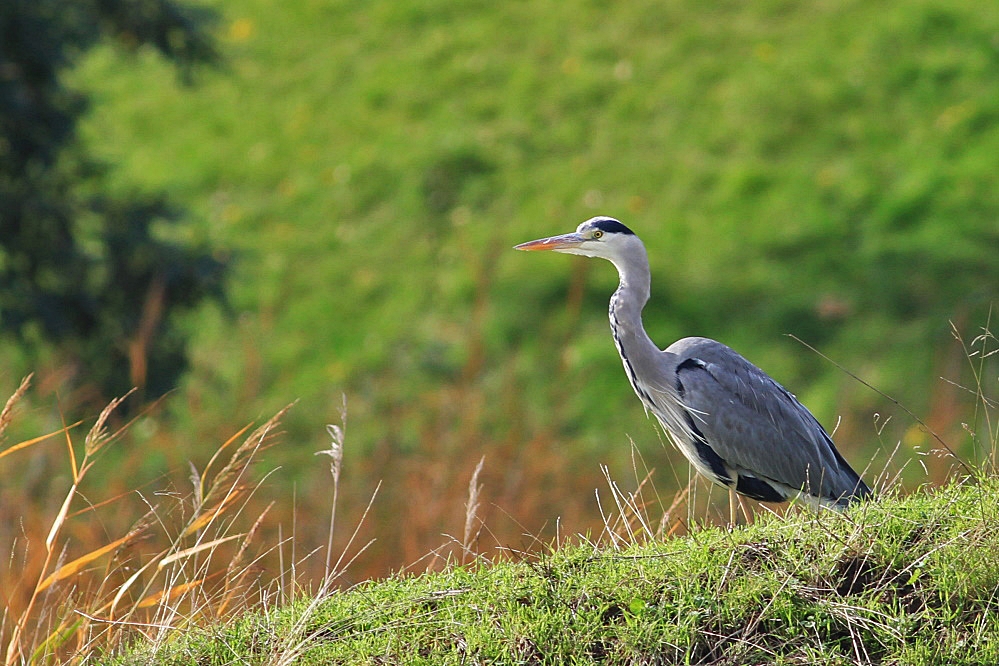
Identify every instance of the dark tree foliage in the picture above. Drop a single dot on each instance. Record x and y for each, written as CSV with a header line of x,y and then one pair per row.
x,y
89,272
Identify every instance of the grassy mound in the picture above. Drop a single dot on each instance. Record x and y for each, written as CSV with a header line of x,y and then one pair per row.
x,y
911,580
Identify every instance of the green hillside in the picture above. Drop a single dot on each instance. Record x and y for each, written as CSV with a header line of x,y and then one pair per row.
x,y
911,582
826,170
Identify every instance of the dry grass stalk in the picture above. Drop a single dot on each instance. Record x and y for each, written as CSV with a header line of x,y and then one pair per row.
x,y
75,606
7,415
95,440
979,353
335,453
471,532
631,524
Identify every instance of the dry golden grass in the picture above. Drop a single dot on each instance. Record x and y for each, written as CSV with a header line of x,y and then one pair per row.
x,y
184,558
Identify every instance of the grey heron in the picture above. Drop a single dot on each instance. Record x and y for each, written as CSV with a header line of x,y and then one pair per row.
x,y
734,423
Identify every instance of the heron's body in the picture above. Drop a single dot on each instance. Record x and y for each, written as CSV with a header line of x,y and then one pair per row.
x,y
732,421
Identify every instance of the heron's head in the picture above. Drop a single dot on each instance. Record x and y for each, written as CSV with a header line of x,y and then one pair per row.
x,y
602,237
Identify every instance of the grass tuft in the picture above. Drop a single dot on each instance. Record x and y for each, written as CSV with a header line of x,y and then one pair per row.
x,y
186,559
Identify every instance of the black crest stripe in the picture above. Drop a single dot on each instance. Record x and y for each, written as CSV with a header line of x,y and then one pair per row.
x,y
612,226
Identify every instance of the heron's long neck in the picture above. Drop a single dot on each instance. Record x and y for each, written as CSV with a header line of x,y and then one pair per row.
x,y
636,348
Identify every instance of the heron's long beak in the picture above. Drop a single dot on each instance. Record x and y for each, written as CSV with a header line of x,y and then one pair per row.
x,y
556,243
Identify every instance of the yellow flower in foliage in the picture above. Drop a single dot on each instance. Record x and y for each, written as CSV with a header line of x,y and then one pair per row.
x,y
241,30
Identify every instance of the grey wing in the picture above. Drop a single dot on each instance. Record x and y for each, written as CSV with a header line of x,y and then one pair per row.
x,y
756,426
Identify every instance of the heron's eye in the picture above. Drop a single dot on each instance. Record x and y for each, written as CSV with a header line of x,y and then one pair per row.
x,y
597,234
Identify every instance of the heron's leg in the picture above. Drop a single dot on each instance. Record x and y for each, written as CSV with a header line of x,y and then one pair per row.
x,y
733,501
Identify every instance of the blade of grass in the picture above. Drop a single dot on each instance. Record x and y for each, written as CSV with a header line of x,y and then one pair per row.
x,y
74,567
169,594
205,518
35,440
193,550
222,448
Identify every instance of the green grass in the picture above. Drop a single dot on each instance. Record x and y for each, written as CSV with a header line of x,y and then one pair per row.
x,y
899,581
820,169
369,165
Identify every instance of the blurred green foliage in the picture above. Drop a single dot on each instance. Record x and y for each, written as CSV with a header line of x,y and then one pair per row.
x,y
826,170
80,269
